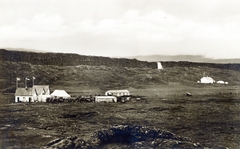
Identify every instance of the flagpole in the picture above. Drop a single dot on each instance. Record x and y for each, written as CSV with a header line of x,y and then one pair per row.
x,y
26,79
17,79
33,79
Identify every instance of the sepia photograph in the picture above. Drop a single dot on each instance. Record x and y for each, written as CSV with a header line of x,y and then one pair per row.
x,y
119,74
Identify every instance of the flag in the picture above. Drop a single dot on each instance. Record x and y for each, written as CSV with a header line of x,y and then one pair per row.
x,y
34,78
18,79
27,79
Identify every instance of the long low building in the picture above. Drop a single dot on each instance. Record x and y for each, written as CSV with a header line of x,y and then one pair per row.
x,y
105,99
117,93
220,82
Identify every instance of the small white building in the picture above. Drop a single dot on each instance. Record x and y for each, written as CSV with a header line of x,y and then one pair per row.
x,y
60,94
220,82
207,80
105,99
117,93
159,65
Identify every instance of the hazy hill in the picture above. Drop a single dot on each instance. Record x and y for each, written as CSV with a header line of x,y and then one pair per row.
x,y
190,58
89,72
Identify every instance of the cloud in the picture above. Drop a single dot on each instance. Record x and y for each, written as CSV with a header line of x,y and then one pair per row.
x,y
45,22
124,27
40,26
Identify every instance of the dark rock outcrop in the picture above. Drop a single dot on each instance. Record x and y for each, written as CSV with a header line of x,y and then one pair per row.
x,y
61,59
125,136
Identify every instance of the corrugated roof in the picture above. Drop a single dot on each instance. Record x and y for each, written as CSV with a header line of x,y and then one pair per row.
x,y
23,92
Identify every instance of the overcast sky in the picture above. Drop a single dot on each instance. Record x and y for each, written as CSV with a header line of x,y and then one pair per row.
x,y
123,27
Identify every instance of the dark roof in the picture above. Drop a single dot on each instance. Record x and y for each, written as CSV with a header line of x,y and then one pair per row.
x,y
40,89
23,92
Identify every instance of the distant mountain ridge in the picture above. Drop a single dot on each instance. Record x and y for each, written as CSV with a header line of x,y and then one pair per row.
x,y
149,58
190,58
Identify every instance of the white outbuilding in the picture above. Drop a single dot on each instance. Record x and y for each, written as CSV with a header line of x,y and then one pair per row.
x,y
60,94
220,82
117,93
105,99
207,80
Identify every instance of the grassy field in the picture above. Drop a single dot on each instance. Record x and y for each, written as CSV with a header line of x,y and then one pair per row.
x,y
209,117
101,78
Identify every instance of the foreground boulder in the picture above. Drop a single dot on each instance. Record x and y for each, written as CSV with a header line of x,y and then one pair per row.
x,y
125,136
138,136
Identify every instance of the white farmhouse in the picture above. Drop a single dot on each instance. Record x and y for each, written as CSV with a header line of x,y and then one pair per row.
x,y
117,93
38,93
207,80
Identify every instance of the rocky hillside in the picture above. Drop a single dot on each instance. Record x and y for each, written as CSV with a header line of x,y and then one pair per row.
x,y
61,59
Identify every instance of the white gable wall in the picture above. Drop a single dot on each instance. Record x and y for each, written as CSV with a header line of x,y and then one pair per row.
x,y
41,98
